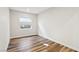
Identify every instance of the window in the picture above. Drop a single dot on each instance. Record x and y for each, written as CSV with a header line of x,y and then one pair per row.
x,y
25,22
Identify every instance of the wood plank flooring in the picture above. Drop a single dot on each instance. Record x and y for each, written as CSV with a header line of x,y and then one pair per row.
x,y
36,44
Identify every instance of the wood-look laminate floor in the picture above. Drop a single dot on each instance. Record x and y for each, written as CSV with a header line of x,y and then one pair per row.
x,y
36,44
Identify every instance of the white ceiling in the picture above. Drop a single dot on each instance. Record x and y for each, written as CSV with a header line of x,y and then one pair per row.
x,y
34,10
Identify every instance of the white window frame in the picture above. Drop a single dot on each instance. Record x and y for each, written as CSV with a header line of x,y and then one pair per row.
x,y
26,22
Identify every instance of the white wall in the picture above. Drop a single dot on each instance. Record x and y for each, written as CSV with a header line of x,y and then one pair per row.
x,y
15,30
4,28
60,25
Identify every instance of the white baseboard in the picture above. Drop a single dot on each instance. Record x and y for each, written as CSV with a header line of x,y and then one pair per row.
x,y
59,42
21,36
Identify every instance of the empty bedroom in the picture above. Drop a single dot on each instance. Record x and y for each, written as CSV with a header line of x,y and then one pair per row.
x,y
39,29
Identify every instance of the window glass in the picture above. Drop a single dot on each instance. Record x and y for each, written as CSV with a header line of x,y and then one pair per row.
x,y
25,22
